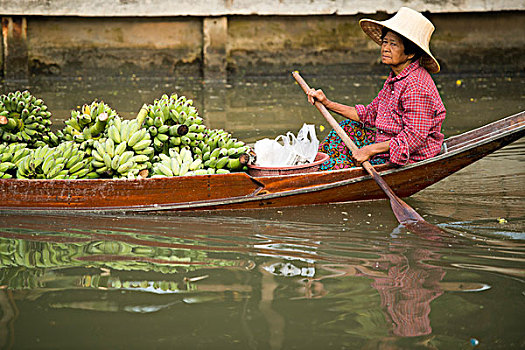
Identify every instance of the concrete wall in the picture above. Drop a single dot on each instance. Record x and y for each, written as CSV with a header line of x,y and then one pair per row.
x,y
179,38
155,8
470,42
82,46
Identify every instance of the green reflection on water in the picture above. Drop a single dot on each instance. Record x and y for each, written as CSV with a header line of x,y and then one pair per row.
x,y
239,282
25,260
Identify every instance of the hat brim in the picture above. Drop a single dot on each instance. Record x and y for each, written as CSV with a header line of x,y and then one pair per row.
x,y
374,30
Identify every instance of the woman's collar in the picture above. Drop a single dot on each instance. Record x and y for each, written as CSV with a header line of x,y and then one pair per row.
x,y
405,72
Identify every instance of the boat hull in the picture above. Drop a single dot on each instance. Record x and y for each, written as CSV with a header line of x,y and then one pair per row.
x,y
241,191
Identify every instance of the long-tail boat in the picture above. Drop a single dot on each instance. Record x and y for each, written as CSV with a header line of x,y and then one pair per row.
x,y
242,191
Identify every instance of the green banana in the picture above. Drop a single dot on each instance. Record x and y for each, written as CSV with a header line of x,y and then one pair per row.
x,y
73,160
126,156
125,167
141,145
136,137
107,160
195,164
222,162
55,170
80,165
115,162
82,173
121,148
110,147
164,169
97,156
114,134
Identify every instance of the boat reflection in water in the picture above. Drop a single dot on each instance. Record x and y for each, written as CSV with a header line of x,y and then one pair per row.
x,y
370,289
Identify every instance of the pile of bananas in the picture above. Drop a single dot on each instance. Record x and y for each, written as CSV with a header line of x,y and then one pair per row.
x,y
66,161
87,124
24,118
126,152
167,138
10,156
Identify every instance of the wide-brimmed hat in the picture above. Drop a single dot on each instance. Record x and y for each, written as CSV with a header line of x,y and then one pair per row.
x,y
410,24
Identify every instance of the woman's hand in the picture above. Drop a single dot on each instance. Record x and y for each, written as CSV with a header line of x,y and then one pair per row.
x,y
362,154
318,95
365,153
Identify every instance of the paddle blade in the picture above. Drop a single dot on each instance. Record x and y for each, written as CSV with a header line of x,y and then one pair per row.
x,y
404,213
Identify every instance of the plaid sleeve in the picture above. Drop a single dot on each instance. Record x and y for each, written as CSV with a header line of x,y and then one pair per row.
x,y
367,114
418,119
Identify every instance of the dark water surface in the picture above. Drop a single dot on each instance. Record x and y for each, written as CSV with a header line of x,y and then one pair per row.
x,y
341,276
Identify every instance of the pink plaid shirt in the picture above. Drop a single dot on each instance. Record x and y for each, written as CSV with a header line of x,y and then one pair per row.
x,y
409,112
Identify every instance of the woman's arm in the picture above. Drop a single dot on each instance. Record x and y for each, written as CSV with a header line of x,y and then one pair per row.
x,y
339,108
365,153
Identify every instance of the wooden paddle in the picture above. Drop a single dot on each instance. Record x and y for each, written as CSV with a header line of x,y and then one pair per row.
x,y
404,213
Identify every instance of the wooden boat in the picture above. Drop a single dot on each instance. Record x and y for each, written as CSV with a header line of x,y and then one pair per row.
x,y
241,191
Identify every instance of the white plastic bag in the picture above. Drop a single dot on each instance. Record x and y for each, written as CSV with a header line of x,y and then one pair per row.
x,y
292,151
270,153
307,144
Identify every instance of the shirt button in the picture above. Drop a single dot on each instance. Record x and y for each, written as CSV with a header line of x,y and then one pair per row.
x,y
392,91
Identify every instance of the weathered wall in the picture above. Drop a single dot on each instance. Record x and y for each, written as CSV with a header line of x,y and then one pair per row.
x,y
461,42
255,45
155,8
80,46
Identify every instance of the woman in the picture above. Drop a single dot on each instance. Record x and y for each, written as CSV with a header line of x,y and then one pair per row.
x,y
403,123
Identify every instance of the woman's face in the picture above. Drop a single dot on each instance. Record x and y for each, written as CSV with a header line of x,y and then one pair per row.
x,y
393,50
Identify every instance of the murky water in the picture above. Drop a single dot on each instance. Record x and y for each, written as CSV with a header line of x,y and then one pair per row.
x,y
341,276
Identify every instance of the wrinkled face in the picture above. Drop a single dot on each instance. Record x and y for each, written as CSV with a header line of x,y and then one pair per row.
x,y
393,50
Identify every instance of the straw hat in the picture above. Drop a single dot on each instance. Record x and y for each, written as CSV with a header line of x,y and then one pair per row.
x,y
410,24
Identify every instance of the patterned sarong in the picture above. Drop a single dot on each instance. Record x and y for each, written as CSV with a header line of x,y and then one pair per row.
x,y
339,153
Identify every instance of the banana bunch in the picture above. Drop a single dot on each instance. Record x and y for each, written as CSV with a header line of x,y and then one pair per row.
x,y
24,118
211,152
6,168
220,144
66,161
183,163
168,121
87,124
10,156
179,164
126,152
